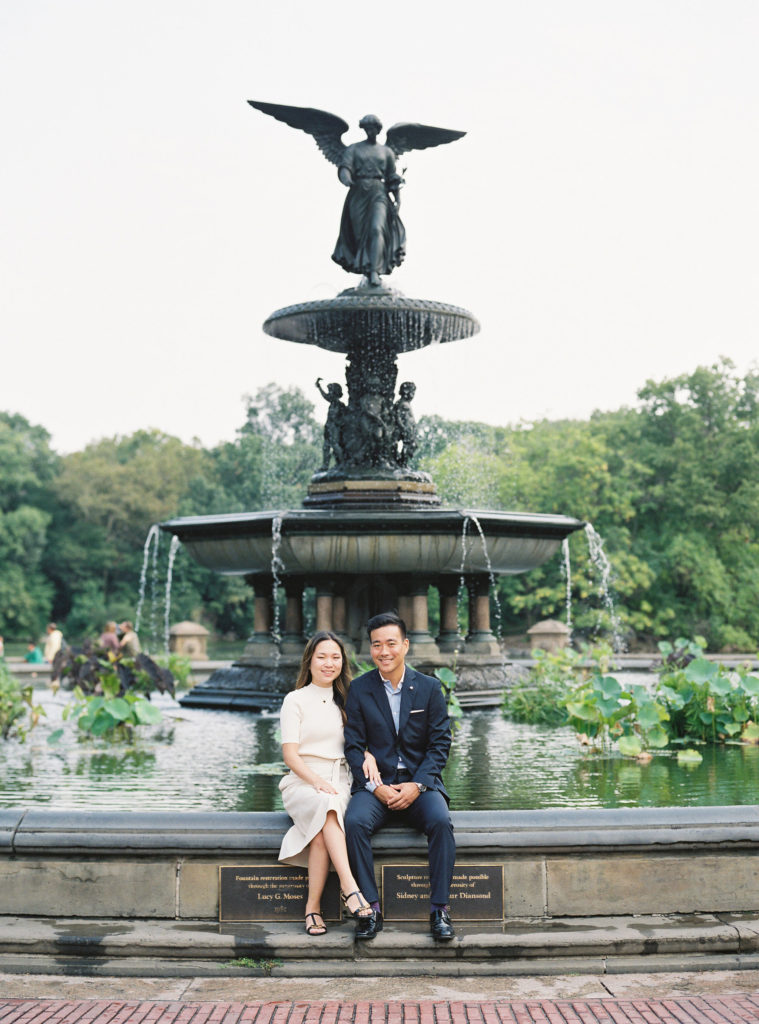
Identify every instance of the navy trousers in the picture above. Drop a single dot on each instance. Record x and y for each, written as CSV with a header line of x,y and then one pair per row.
x,y
428,814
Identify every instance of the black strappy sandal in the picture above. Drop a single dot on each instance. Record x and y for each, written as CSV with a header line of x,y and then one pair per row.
x,y
315,929
362,905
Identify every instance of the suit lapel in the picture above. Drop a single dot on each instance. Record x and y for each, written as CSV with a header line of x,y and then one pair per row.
x,y
407,697
378,692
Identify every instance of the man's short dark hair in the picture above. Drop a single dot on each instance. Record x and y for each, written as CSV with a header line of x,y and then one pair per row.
x,y
386,619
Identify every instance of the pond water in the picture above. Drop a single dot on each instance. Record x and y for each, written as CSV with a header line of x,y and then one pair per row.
x,y
201,760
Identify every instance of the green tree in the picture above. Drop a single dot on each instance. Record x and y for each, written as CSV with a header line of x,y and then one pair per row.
x,y
108,496
281,422
699,513
27,469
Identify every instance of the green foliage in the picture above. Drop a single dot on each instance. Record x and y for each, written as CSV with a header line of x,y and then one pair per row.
x,y
180,668
672,486
282,423
601,712
28,468
708,703
266,966
111,693
18,712
448,680
109,716
694,700
540,699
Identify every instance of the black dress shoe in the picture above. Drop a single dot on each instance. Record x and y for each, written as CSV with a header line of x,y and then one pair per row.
x,y
440,925
368,925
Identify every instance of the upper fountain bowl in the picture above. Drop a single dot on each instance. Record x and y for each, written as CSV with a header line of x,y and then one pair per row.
x,y
371,316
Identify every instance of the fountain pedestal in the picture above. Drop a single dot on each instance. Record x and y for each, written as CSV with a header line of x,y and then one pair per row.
x,y
372,535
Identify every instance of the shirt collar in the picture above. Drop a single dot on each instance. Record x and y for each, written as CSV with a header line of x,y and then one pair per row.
x,y
389,686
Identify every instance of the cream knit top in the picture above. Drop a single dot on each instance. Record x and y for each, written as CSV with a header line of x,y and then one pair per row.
x,y
310,718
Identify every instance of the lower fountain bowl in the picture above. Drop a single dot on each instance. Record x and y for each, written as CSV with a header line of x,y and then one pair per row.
x,y
316,542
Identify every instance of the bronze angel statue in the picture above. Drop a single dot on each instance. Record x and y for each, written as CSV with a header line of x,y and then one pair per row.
x,y
372,238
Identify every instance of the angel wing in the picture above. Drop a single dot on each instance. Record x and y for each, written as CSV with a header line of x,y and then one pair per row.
x,y
405,135
326,128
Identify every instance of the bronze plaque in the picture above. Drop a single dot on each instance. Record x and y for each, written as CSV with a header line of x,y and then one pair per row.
x,y
476,892
260,892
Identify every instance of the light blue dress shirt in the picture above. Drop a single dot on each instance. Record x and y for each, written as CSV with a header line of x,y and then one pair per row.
x,y
394,701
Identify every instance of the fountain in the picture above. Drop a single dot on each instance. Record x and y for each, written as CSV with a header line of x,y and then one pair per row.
x,y
371,534
597,885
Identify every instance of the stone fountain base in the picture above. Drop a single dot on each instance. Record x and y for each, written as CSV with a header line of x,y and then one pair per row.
x,y
395,492
250,685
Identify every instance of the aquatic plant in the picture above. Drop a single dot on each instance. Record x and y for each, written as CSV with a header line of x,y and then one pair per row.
x,y
540,699
111,691
18,712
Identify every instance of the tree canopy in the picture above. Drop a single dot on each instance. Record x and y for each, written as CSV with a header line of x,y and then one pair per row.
x,y
671,484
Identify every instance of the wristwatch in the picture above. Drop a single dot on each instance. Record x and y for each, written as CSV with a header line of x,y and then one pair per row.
x,y
422,789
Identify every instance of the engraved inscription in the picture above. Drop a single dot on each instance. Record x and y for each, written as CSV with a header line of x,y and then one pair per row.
x,y
476,892
266,893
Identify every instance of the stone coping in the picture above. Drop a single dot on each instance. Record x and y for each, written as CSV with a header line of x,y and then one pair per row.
x,y
140,833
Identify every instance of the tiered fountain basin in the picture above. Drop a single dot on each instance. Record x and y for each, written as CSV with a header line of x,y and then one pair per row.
x,y
372,317
321,541
360,562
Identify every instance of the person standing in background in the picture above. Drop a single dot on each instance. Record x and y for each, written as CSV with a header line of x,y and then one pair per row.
x,y
53,642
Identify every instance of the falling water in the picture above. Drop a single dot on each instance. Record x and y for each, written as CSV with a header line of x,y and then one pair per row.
x,y
462,570
153,536
277,566
493,586
603,568
567,570
173,548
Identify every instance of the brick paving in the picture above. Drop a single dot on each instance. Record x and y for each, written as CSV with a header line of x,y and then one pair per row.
x,y
734,1009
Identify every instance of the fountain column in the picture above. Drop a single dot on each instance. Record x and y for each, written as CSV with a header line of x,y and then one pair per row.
x,y
421,643
292,636
480,639
406,607
340,617
324,603
450,638
261,643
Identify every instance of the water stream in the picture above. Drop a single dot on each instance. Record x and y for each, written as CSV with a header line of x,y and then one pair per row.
x,y
152,540
603,568
173,549
567,569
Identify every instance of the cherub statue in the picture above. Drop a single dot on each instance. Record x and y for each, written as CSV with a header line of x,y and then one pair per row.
x,y
372,238
333,428
405,424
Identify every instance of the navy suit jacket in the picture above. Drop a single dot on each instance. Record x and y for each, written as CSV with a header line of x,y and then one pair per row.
x,y
423,738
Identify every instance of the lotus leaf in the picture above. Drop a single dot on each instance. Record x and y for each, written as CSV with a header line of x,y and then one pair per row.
x,y
657,737
630,746
118,708
701,671
689,756
147,713
751,685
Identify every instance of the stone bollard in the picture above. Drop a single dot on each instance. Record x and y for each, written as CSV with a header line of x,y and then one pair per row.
x,y
189,639
549,635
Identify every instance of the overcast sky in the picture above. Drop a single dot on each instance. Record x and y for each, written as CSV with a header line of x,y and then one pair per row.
x,y
600,218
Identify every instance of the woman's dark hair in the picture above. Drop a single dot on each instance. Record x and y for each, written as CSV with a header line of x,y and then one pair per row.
x,y
342,684
386,619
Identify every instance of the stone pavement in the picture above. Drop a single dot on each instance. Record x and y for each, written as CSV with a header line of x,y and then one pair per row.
x,y
711,997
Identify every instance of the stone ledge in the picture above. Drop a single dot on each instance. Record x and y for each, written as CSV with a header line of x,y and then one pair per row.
x,y
24,831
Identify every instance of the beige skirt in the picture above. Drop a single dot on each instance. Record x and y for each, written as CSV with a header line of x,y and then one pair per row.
x,y
308,809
